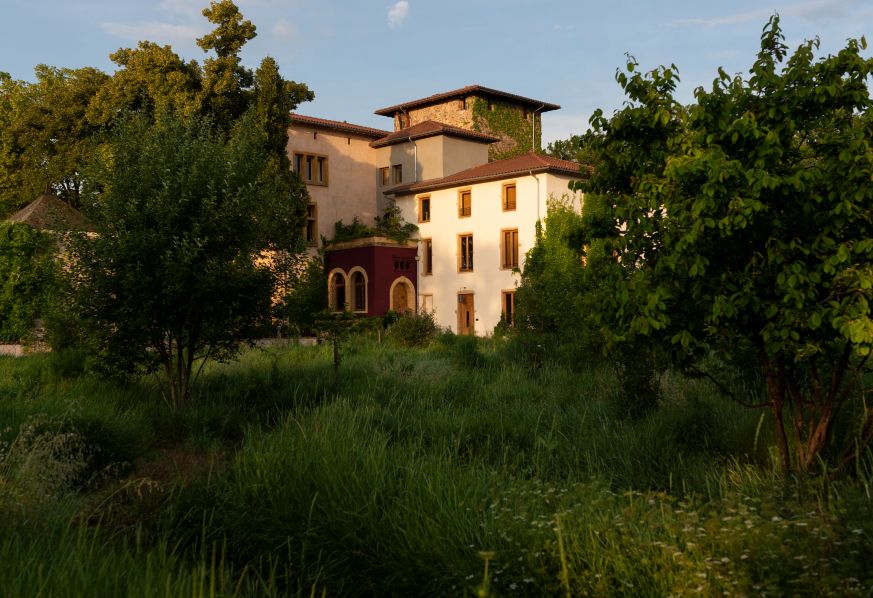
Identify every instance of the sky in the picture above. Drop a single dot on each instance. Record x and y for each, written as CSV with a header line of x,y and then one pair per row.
x,y
362,55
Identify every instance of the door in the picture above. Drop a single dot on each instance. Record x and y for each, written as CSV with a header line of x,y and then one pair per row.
x,y
401,301
466,314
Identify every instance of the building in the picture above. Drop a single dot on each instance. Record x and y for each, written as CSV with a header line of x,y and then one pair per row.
x,y
443,167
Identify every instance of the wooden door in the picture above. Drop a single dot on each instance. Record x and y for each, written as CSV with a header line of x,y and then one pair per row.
x,y
466,313
401,301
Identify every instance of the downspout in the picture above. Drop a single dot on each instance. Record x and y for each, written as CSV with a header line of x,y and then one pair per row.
x,y
538,194
415,163
533,132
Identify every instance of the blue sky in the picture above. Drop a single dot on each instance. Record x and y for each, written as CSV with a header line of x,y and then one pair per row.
x,y
362,55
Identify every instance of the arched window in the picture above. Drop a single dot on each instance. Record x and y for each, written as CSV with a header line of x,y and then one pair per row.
x,y
360,291
339,292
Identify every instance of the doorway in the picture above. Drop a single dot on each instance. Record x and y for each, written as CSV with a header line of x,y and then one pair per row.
x,y
400,298
466,314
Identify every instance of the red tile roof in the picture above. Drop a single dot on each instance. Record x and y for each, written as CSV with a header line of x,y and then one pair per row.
x,y
469,89
335,124
431,127
516,165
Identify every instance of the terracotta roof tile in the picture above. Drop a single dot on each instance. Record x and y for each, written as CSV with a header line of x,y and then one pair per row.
x,y
431,127
469,89
335,124
51,213
517,164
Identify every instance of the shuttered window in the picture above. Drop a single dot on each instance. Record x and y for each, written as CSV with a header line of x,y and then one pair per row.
x,y
465,204
509,198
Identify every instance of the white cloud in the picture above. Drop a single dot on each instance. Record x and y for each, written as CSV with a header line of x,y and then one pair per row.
x,y
817,10
398,13
286,30
156,32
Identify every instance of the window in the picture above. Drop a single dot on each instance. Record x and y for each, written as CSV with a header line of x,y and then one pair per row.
x,y
509,307
524,112
426,302
398,174
462,103
427,245
466,257
465,204
424,209
339,292
312,168
383,173
360,285
509,198
510,249
404,120
311,224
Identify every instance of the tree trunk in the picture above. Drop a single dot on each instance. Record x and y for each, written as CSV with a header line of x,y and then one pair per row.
x,y
776,398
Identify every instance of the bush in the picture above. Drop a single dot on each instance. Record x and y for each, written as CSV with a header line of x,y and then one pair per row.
x,y
414,330
26,275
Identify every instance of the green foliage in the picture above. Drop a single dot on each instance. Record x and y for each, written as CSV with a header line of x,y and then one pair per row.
x,y
27,273
337,328
173,276
508,122
413,330
45,135
391,225
745,218
467,352
306,294
550,294
536,471
574,150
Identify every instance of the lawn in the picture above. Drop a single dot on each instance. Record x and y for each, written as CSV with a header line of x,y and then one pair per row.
x,y
449,471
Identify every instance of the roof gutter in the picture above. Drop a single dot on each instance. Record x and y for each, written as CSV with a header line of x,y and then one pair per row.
x,y
482,178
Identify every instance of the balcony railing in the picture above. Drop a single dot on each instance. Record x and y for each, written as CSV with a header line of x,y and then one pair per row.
x,y
509,205
465,211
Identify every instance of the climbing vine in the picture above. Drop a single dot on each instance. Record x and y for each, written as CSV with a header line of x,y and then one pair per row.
x,y
509,123
26,275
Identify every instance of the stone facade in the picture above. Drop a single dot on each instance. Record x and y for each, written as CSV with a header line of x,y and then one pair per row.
x,y
451,112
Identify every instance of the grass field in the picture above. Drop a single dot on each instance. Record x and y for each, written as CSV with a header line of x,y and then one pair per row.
x,y
447,471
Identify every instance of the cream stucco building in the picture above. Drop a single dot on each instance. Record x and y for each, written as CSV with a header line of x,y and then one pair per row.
x,y
476,217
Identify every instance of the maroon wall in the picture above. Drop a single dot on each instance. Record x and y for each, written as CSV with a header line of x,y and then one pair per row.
x,y
379,264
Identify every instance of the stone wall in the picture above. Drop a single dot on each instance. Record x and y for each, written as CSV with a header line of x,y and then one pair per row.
x,y
450,112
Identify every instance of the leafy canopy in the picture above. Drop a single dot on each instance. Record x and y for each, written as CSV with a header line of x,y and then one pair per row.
x,y
744,218
180,268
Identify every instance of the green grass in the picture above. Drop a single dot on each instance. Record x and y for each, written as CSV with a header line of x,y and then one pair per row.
x,y
406,478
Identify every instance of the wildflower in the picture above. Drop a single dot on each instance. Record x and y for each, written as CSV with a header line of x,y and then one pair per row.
x,y
744,557
858,531
528,580
598,576
725,560
469,577
776,518
512,586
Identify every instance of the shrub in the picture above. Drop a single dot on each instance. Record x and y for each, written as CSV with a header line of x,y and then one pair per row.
x,y
26,274
414,330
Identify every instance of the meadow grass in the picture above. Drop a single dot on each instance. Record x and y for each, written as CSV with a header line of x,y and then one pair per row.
x,y
422,467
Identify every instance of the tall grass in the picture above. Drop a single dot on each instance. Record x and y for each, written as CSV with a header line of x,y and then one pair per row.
x,y
423,466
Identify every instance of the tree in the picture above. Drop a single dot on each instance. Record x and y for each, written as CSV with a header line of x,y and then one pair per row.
x,y
44,134
180,266
745,219
572,149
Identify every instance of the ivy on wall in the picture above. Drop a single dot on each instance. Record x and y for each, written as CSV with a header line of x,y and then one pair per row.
x,y
509,123
26,275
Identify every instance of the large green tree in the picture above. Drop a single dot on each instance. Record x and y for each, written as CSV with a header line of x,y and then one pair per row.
x,y
44,134
745,219
179,271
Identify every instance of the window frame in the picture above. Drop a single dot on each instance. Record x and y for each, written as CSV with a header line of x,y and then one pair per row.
x,y
503,193
422,299
353,286
461,193
421,200
395,170
385,176
311,218
332,295
307,164
427,246
503,295
503,232
470,253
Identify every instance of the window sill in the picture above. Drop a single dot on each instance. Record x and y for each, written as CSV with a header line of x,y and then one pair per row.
x,y
315,183
465,271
